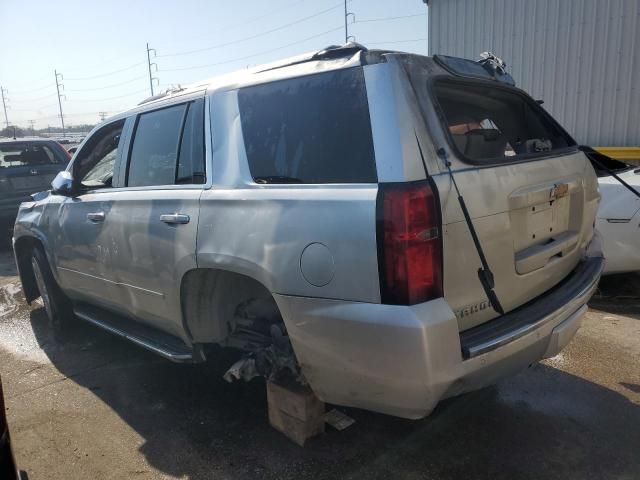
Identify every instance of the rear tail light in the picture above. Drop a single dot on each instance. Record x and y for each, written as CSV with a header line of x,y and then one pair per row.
x,y
409,243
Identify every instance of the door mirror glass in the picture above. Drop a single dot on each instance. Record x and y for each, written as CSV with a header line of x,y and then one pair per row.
x,y
63,183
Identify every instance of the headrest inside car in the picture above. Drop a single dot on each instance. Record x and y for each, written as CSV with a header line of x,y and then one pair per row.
x,y
480,144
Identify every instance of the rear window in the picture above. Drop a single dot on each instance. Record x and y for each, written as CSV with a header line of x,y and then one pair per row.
x,y
17,154
489,124
311,129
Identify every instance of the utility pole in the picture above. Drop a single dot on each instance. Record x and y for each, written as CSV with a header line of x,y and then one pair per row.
x,y
31,124
149,63
58,85
426,3
4,105
103,115
346,24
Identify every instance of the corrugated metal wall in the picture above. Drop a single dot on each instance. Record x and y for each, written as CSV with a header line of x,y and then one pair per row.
x,y
582,57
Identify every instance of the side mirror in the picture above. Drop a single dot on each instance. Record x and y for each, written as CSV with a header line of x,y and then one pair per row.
x,y
63,183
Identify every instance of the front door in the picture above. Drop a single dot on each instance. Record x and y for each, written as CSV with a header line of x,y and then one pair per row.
x,y
83,246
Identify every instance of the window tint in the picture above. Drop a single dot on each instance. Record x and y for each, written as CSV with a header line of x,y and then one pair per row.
x,y
95,162
14,154
191,162
489,124
312,129
155,147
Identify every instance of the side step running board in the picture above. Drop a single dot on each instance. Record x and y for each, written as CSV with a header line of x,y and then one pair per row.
x,y
161,343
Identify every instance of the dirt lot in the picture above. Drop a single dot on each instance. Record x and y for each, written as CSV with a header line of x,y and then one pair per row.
x,y
94,406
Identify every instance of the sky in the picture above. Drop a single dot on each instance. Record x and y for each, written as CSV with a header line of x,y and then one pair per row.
x,y
99,48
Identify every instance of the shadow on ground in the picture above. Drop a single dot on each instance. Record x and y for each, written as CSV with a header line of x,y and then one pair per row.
x,y
542,423
618,293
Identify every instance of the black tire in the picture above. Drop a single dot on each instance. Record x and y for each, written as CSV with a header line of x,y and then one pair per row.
x,y
56,304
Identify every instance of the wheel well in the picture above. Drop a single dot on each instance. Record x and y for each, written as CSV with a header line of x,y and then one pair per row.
x,y
23,248
212,299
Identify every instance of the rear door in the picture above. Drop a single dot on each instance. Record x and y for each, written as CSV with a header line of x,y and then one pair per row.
x,y
25,168
531,194
153,221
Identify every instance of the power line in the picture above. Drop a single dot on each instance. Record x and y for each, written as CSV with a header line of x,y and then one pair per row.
x,y
384,19
257,35
398,41
67,115
107,74
252,55
30,100
108,86
36,109
137,92
255,19
51,85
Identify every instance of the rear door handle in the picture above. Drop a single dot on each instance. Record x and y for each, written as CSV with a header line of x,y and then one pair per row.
x,y
96,216
175,218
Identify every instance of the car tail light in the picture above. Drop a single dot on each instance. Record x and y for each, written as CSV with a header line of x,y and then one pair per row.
x,y
409,243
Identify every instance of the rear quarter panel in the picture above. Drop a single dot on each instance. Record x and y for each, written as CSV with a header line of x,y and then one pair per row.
x,y
262,230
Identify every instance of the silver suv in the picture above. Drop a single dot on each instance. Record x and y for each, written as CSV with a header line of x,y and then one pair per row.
x,y
415,227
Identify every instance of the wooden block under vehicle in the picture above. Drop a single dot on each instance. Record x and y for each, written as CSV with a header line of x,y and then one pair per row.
x,y
295,411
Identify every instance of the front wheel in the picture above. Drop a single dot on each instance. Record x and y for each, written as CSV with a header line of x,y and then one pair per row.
x,y
56,304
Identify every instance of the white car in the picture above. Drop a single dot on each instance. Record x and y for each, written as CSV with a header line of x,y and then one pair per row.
x,y
618,218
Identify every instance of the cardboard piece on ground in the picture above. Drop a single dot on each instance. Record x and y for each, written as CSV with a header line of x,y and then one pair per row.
x,y
295,411
338,419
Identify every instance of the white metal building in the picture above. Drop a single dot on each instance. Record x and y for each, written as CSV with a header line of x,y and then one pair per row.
x,y
582,57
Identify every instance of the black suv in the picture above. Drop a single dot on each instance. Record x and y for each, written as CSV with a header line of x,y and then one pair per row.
x,y
26,166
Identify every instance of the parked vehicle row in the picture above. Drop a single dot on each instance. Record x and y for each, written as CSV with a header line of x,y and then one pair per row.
x,y
27,165
415,227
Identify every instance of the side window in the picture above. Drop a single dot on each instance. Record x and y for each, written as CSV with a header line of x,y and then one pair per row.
x,y
154,152
95,162
191,168
311,129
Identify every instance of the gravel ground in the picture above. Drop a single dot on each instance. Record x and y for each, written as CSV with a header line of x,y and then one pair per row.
x,y
94,406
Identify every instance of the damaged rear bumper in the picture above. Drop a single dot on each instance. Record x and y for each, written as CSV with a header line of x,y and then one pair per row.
x,y
402,360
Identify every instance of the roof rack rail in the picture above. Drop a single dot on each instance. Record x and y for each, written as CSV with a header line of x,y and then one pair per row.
x,y
158,96
339,51
331,52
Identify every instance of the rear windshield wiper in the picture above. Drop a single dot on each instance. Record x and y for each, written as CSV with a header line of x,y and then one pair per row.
x,y
277,179
485,275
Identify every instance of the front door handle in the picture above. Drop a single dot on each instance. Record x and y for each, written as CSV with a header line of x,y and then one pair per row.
x,y
96,216
175,218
